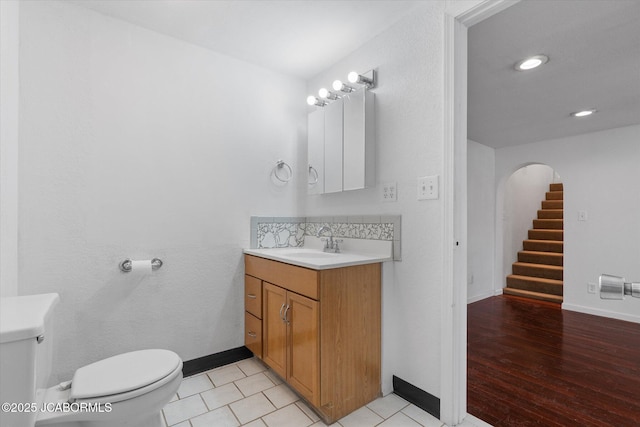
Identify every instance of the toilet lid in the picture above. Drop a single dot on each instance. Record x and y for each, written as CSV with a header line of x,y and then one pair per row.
x,y
123,373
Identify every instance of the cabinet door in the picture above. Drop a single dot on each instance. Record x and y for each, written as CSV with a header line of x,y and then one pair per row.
x,y
315,147
274,329
333,147
304,351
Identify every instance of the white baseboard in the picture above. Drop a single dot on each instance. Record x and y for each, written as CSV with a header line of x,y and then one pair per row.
x,y
482,296
599,312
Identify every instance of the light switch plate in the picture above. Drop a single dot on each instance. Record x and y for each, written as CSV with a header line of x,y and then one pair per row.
x,y
389,192
428,187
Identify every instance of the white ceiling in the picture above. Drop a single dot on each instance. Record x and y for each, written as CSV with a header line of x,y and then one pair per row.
x,y
299,38
594,48
594,51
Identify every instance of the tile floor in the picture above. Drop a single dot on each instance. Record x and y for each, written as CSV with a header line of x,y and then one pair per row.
x,y
247,393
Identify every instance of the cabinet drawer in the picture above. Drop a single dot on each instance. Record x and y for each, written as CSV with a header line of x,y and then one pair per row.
x,y
253,296
303,281
253,334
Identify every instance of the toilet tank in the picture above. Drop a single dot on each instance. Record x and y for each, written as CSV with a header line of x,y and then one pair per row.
x,y
25,352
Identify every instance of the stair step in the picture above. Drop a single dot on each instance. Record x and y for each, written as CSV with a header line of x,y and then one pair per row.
x,y
537,270
540,257
550,214
533,295
549,224
556,187
552,204
543,245
535,284
546,235
555,195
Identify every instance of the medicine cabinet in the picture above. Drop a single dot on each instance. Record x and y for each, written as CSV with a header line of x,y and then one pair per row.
x,y
341,144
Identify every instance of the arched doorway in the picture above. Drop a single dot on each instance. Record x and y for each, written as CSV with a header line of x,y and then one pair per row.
x,y
530,220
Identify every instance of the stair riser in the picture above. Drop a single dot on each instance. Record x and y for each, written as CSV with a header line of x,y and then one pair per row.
x,y
550,214
544,273
554,195
546,235
549,224
544,246
530,285
552,204
556,187
548,259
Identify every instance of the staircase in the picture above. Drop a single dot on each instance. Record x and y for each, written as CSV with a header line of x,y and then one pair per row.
x,y
538,273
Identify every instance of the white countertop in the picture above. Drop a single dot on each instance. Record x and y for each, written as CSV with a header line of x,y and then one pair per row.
x,y
312,256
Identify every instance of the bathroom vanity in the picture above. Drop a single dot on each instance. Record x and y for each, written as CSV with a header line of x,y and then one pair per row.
x,y
316,323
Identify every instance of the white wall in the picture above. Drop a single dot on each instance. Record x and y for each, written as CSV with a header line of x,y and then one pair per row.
x,y
9,81
598,172
408,58
523,194
481,206
137,145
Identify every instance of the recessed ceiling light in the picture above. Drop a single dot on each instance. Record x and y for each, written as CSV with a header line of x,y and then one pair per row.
x,y
531,62
583,113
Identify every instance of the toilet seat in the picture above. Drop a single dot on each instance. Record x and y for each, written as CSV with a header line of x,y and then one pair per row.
x,y
124,376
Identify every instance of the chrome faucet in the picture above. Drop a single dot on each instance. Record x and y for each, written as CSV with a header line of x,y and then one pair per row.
x,y
330,245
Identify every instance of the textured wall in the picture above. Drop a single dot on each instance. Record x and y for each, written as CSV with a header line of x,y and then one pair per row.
x,y
9,83
409,134
134,144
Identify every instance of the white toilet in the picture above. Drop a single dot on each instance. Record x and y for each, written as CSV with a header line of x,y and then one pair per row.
x,y
129,389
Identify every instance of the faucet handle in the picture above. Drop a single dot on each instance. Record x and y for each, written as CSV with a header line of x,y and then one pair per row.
x,y
326,242
336,248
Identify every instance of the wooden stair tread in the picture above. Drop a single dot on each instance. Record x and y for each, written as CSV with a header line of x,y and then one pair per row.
x,y
534,295
550,213
536,279
541,257
553,246
534,265
548,224
546,234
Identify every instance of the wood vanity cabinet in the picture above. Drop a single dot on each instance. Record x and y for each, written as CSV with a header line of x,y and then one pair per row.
x,y
320,331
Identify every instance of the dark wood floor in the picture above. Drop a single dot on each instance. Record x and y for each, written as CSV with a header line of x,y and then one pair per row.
x,y
533,364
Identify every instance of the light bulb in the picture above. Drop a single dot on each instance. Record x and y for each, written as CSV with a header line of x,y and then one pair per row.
x,y
353,77
337,85
583,113
324,93
531,62
311,100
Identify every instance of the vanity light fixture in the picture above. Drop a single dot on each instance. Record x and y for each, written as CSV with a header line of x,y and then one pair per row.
x,y
338,85
583,113
531,62
312,100
367,79
327,94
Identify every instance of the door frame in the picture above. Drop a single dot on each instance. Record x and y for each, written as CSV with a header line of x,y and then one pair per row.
x,y
453,326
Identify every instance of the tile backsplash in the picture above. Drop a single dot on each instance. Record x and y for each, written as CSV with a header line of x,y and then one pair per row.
x,y
282,232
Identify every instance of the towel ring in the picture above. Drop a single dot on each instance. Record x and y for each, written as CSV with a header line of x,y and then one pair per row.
x,y
280,164
313,175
